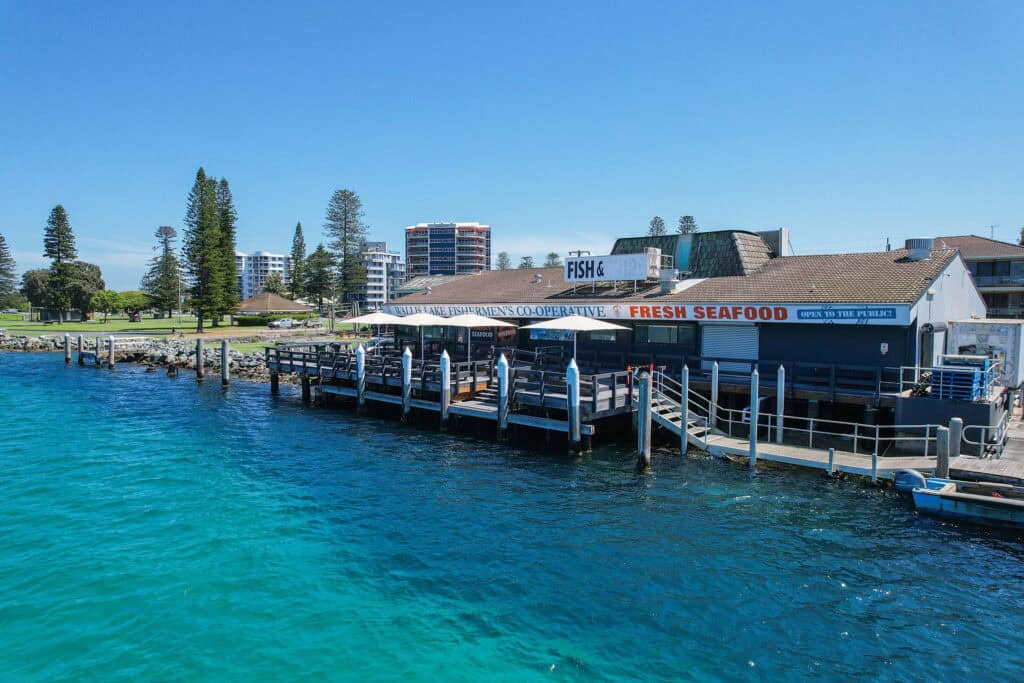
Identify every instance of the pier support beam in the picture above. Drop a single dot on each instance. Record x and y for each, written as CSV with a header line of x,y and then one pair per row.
x,y
81,350
406,383
307,393
225,364
275,383
110,352
713,417
780,403
503,396
200,361
831,462
643,432
361,379
446,388
754,390
684,410
572,388
67,349
99,356
956,434
942,446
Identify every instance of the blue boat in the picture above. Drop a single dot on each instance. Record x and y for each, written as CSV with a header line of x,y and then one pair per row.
x,y
980,502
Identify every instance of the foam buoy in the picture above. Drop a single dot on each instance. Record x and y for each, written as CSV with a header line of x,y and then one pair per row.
x,y
906,481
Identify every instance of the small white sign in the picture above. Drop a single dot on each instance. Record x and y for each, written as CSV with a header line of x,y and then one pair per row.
x,y
642,266
884,348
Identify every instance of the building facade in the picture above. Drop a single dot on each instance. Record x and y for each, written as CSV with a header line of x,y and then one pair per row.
x,y
447,248
385,274
998,271
254,269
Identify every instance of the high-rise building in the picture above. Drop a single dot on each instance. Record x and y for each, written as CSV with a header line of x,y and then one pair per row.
x,y
447,248
253,270
385,273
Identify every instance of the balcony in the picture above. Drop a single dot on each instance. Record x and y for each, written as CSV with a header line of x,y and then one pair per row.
x,y
999,280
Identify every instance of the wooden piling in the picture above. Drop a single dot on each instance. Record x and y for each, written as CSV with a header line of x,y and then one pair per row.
x,y
275,383
956,434
572,387
110,352
503,396
307,393
67,349
713,416
831,462
406,383
754,391
200,361
361,379
684,410
446,388
81,350
780,403
99,356
225,364
942,446
643,432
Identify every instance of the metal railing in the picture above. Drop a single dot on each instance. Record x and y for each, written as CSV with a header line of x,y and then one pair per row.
x,y
990,437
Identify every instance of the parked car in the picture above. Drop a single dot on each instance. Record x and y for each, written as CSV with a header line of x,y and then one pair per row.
x,y
282,324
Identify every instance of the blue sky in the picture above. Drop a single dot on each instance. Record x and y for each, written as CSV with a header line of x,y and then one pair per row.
x,y
562,125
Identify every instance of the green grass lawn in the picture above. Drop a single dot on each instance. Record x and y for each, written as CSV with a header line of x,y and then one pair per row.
x,y
114,324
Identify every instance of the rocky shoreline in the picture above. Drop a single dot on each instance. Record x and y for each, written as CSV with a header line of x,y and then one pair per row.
x,y
163,353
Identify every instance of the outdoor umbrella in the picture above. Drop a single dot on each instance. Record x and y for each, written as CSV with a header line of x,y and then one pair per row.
x,y
377,319
575,324
422,320
471,320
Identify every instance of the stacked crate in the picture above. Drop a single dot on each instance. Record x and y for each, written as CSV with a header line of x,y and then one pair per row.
x,y
962,378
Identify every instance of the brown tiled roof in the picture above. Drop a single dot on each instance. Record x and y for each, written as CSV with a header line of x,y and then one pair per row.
x,y
267,302
877,277
973,246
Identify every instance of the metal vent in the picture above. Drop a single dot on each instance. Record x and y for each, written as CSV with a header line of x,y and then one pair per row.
x,y
920,248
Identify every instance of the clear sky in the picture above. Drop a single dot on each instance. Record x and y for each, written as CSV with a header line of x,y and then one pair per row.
x,y
561,124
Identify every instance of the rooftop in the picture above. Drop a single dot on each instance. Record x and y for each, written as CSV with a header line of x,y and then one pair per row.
x,y
973,246
268,302
874,277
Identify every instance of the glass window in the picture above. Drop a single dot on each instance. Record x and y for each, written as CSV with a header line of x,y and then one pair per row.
x,y
1001,268
604,336
984,268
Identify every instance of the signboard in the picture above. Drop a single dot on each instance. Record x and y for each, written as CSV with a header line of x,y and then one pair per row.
x,y
805,314
642,266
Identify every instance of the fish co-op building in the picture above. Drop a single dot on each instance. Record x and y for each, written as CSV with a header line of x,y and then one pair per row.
x,y
847,328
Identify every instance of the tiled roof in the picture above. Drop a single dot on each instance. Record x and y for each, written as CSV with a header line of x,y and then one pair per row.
x,y
268,302
421,282
878,277
973,246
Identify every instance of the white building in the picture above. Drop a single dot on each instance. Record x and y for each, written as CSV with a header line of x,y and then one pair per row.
x,y
253,270
385,273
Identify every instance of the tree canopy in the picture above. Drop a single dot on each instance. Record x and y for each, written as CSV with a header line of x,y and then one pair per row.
x,y
275,284
504,262
347,233
106,301
8,279
58,238
656,227
687,225
227,218
297,272
162,281
526,262
35,286
553,260
319,271
203,249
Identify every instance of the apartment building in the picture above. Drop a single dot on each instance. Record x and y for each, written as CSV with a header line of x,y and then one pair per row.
x,y
447,248
253,270
998,271
385,274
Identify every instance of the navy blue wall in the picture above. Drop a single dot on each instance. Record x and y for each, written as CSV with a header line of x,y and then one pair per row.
x,y
838,344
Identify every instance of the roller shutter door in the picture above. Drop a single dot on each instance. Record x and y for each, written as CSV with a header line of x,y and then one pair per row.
x,y
729,341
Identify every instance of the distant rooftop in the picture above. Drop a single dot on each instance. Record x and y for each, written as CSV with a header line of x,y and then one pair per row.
x,y
973,246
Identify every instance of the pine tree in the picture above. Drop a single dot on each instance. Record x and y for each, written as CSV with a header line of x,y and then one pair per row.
x,y
319,268
347,234
8,280
504,262
526,262
162,282
687,225
203,248
297,275
553,260
275,284
59,247
656,227
228,217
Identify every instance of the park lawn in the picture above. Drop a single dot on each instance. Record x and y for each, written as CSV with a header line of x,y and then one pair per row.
x,y
118,324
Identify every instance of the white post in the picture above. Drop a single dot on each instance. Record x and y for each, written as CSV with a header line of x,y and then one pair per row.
x,y
643,432
200,362
503,395
446,387
99,347
406,382
225,364
361,377
780,400
956,433
81,350
572,387
942,446
714,395
831,461
67,349
110,351
754,390
684,409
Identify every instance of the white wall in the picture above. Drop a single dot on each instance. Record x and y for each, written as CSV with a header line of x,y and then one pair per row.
x,y
955,298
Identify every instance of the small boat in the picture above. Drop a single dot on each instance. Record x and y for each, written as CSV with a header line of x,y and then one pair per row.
x,y
980,502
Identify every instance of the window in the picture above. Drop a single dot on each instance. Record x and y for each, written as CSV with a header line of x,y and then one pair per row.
x,y
604,336
683,336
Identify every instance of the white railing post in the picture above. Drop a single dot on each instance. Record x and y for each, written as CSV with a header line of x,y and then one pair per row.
x,y
643,432
406,382
572,390
503,395
713,412
684,410
67,349
360,377
942,452
780,401
754,390
956,434
446,387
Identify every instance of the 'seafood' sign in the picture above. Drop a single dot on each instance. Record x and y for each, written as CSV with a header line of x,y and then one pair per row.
x,y
835,314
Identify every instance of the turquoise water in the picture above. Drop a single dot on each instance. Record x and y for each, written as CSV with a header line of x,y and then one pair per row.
x,y
151,529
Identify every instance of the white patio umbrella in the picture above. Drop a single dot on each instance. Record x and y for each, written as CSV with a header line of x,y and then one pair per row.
x,y
422,320
376,318
471,320
575,324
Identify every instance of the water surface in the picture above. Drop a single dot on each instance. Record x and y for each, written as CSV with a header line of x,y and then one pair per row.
x,y
153,529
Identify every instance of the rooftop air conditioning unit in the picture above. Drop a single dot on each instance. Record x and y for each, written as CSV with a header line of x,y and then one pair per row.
x,y
920,248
